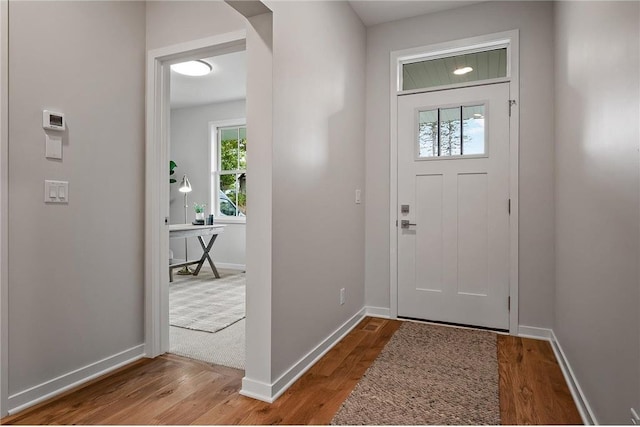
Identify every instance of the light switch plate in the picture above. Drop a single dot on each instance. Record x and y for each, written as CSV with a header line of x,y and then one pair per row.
x,y
56,191
53,146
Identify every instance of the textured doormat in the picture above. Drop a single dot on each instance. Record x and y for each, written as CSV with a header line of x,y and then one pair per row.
x,y
204,303
428,374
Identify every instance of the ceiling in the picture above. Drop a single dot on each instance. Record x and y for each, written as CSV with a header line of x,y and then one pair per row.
x,y
227,82
373,12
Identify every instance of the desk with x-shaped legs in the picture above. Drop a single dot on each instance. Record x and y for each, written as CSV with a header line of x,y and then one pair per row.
x,y
182,231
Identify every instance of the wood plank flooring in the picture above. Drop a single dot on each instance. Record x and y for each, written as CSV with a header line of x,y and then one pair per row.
x,y
175,390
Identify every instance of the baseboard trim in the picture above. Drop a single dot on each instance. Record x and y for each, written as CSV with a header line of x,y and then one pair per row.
x,y
588,417
586,413
41,392
270,392
257,390
381,312
230,266
534,332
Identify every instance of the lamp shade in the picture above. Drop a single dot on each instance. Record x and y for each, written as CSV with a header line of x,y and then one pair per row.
x,y
185,185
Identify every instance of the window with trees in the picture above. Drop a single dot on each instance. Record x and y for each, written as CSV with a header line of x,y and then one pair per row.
x,y
229,171
449,132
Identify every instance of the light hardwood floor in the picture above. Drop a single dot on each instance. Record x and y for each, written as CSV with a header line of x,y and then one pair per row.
x,y
175,390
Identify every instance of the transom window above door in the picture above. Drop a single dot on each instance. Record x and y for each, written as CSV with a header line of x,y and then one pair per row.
x,y
451,132
455,70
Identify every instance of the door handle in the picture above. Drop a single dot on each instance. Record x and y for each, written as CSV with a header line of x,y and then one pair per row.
x,y
405,224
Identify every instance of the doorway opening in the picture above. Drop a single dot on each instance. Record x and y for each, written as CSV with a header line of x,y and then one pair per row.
x,y
207,205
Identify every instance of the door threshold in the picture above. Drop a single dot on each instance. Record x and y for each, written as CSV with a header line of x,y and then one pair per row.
x,y
454,325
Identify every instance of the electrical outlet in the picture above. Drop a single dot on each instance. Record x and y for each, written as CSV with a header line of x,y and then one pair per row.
x,y
635,419
342,296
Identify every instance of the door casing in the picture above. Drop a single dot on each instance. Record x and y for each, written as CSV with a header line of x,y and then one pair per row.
x,y
157,186
510,39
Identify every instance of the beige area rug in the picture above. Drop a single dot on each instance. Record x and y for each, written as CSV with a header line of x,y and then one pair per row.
x,y
204,303
428,374
225,347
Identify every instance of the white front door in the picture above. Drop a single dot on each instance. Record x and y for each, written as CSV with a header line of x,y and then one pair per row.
x,y
453,196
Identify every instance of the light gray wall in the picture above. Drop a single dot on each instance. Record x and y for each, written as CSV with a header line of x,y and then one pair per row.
x,y
597,215
535,22
75,270
259,198
172,22
318,148
190,139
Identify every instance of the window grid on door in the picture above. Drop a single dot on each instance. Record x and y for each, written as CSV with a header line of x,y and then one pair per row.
x,y
451,132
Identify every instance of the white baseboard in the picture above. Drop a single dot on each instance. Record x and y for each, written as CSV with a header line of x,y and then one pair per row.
x,y
257,390
382,312
230,266
41,392
270,392
588,417
534,332
586,413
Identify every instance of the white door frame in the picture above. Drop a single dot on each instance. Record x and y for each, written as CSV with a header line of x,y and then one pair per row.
x,y
156,174
510,39
4,208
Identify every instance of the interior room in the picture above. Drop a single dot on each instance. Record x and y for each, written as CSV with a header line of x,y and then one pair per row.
x,y
207,173
441,223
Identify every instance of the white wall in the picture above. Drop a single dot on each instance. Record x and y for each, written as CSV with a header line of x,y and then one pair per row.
x,y
75,270
535,22
190,139
318,148
597,215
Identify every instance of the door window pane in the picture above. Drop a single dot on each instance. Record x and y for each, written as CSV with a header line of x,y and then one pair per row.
x,y
428,133
450,136
473,130
451,132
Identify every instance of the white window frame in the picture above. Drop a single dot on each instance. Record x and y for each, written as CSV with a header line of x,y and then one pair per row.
x,y
416,152
214,153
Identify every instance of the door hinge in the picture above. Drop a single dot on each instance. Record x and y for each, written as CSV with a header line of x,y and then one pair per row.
x,y
509,206
512,102
396,222
509,303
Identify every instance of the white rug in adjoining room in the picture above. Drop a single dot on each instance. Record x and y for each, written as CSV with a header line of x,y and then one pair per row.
x,y
226,347
204,303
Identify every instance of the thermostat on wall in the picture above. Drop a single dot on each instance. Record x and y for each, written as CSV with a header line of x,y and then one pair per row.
x,y
52,120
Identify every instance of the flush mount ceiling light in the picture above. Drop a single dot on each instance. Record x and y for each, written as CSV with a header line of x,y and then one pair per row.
x,y
193,68
462,71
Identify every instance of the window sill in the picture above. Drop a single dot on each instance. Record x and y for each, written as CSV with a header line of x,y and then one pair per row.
x,y
227,220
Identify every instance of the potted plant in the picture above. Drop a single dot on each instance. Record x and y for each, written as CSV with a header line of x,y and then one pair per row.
x,y
172,166
199,209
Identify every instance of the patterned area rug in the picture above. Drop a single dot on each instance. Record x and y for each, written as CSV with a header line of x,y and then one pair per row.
x,y
204,303
428,374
